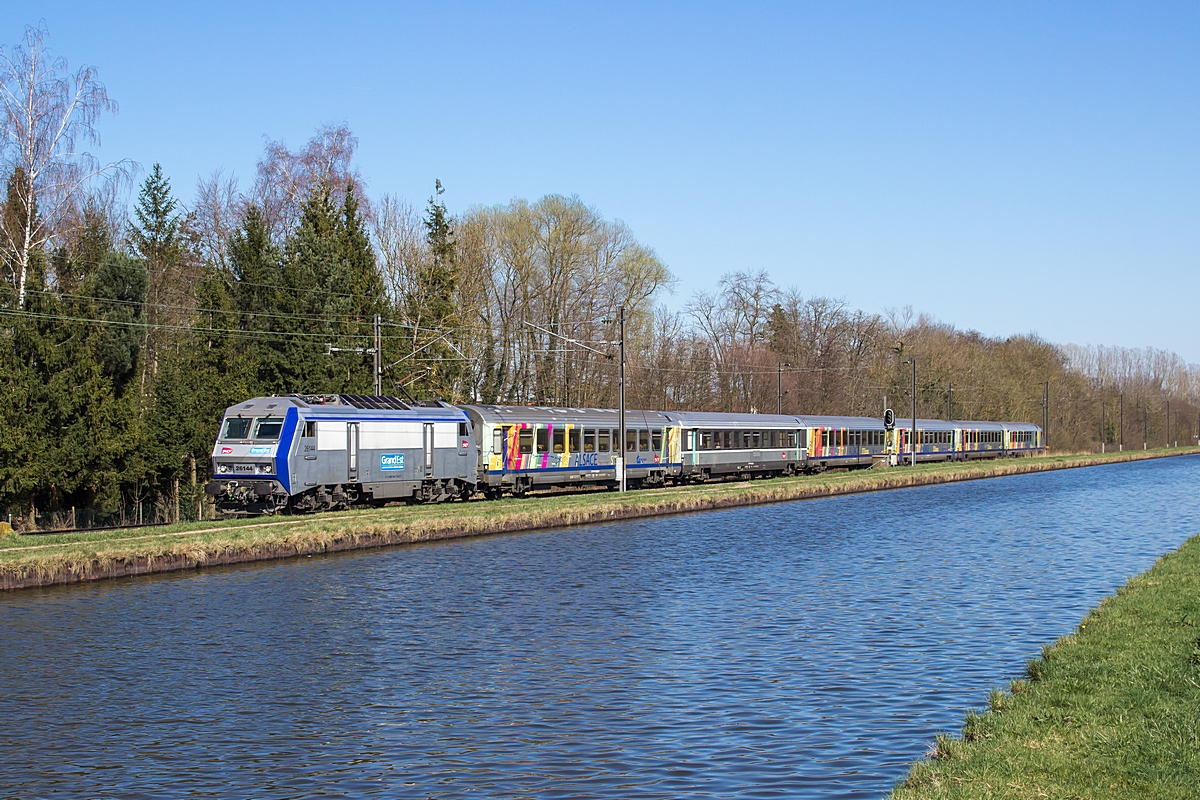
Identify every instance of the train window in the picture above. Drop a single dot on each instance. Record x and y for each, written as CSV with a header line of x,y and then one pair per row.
x,y
602,440
310,429
559,440
575,440
236,428
656,440
791,438
589,440
706,440
462,429
525,444
630,440
644,441
727,437
542,437
774,439
756,439
268,428
497,441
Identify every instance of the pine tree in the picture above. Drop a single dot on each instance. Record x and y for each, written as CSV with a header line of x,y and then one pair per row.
x,y
432,305
156,237
156,240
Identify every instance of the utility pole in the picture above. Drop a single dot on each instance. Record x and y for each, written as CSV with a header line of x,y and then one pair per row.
x,y
621,398
1103,429
1121,441
913,443
1046,416
378,360
1167,423
950,401
779,386
1145,438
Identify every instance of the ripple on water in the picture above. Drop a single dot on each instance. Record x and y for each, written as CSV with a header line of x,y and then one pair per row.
x,y
784,650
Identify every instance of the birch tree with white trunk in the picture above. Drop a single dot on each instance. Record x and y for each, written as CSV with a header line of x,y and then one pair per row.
x,y
48,117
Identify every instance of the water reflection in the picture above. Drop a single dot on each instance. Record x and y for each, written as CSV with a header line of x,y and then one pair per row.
x,y
804,648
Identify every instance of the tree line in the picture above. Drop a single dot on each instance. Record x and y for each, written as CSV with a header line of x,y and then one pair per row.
x,y
126,329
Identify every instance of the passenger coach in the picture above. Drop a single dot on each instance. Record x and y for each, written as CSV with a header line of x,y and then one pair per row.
x,y
527,447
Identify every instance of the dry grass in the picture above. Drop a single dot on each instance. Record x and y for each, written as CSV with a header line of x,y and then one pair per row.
x,y
42,560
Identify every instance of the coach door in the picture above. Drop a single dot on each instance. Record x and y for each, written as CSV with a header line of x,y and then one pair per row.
x,y
352,450
428,440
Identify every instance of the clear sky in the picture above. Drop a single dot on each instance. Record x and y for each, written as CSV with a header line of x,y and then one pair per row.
x,y
1006,167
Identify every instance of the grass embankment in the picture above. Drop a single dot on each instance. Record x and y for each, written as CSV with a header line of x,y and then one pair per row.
x,y
1112,710
27,561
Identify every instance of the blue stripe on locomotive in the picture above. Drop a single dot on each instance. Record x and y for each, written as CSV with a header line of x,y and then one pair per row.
x,y
284,448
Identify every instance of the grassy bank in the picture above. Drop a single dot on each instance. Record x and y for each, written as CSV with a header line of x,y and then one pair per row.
x,y
1112,710
27,561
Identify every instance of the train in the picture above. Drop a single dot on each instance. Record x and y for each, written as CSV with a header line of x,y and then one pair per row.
x,y
307,453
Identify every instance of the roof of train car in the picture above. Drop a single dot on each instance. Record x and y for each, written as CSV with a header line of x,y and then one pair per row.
x,y
830,421
342,405
716,419
930,424
603,417
1021,426
966,424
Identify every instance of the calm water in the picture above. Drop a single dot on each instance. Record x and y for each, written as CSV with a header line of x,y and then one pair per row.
x,y
810,648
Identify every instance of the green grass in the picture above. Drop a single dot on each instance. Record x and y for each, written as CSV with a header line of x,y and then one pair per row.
x,y
1110,711
46,559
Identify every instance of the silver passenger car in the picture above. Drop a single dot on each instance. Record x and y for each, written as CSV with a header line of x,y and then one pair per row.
x,y
717,445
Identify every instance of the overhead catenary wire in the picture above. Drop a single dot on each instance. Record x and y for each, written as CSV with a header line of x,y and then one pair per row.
x,y
324,336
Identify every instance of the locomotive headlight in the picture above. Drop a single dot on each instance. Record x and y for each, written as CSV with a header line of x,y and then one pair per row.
x,y
223,469
263,469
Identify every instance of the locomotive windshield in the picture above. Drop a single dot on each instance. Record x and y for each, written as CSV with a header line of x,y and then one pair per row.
x,y
268,428
264,428
236,428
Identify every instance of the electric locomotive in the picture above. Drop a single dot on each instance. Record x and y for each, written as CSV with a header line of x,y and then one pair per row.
x,y
319,452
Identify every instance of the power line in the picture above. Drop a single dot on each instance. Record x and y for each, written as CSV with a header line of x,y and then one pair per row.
x,y
187,328
234,311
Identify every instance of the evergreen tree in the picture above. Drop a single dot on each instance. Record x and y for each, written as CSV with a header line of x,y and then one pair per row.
x,y
12,226
156,240
156,237
433,305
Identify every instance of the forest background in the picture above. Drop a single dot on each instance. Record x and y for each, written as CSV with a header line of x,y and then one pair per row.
x,y
126,328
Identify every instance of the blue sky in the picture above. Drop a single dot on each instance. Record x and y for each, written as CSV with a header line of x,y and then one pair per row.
x,y
1010,167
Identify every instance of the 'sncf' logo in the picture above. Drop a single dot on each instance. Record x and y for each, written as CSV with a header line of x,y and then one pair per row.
x,y
226,451
391,461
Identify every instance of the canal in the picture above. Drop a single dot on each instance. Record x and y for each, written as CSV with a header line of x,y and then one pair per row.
x,y
808,648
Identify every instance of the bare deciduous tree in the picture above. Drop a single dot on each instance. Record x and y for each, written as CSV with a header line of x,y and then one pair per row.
x,y
48,114
285,179
215,216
